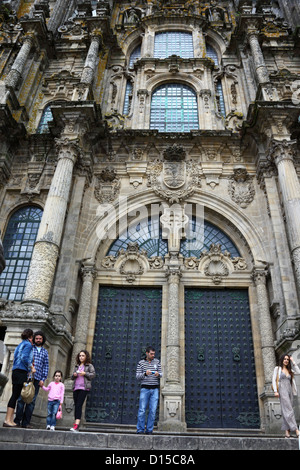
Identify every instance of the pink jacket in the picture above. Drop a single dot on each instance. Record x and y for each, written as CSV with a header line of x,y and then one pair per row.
x,y
56,391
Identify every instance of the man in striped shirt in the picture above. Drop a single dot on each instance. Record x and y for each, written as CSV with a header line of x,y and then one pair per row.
x,y
149,373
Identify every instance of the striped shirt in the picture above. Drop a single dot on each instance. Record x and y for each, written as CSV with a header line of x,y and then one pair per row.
x,y
149,381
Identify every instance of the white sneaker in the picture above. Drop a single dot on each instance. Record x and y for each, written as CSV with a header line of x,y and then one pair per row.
x,y
52,428
48,427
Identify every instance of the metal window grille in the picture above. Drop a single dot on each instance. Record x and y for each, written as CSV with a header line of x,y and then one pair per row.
x,y
18,246
173,42
174,109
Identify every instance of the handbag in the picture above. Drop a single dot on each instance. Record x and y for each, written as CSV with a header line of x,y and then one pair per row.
x,y
28,391
59,413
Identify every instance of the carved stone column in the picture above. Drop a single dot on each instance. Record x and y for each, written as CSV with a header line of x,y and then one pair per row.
x,y
45,253
283,153
259,61
17,68
91,59
88,274
173,390
267,339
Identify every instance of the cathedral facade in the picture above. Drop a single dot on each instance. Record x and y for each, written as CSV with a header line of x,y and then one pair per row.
x,y
150,195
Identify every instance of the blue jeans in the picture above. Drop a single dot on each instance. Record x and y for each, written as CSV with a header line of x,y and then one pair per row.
x,y
52,410
148,396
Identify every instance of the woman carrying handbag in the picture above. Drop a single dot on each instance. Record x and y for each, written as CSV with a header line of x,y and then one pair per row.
x,y
22,366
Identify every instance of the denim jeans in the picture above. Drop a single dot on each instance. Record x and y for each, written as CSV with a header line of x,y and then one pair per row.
x,y
52,410
148,396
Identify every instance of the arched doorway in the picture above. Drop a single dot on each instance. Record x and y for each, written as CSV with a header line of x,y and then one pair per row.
x,y
137,293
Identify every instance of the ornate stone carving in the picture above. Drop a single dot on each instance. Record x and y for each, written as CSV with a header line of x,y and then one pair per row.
x,y
107,185
241,187
175,179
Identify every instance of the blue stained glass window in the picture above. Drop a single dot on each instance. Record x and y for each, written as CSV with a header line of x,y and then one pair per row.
x,y
173,43
18,246
174,108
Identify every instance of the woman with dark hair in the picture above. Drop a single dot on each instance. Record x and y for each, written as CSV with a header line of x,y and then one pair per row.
x,y
22,365
284,387
83,374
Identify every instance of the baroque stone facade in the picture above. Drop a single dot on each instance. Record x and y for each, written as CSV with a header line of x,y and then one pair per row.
x,y
112,109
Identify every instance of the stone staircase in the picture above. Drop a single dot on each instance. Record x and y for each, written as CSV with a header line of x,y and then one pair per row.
x,y
113,441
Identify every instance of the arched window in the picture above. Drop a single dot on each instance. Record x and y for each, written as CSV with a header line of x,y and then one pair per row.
x,y
220,99
148,235
128,97
135,55
203,237
174,108
18,245
46,117
210,52
173,42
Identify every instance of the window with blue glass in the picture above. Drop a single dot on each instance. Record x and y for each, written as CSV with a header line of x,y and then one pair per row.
x,y
46,117
173,43
148,235
203,237
18,246
174,108
220,99
212,54
128,97
135,55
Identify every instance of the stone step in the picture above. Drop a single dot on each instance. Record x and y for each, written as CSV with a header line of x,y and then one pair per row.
x,y
41,439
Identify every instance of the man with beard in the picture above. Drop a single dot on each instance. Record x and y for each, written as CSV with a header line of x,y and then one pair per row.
x,y
41,364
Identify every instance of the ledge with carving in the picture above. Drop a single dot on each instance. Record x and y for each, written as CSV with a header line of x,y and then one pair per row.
x,y
132,262
11,312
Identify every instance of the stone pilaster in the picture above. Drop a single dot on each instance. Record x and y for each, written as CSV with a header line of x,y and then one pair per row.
x,y
283,153
267,339
88,275
45,253
173,390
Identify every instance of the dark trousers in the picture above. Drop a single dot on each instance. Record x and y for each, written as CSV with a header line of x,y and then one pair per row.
x,y
19,376
79,396
24,411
